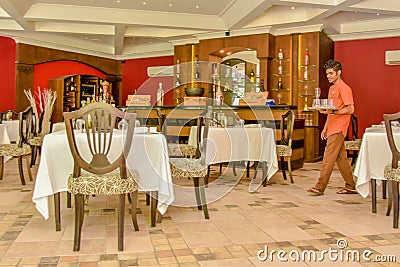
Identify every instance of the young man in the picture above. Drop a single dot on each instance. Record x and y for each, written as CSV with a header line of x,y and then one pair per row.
x,y
335,130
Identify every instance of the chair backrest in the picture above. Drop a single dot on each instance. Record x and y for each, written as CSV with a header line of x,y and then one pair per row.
x,y
389,133
100,119
287,124
203,125
26,126
354,128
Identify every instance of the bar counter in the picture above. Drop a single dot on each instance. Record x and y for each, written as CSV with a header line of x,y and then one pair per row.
x,y
183,117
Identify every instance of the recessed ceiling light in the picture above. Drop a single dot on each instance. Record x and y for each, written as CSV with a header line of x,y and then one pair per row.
x,y
144,3
197,6
292,8
118,1
377,14
170,4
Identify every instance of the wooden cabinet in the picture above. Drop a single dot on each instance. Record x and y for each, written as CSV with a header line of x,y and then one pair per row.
x,y
75,91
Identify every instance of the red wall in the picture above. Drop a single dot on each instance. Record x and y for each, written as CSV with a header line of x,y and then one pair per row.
x,y
376,86
134,77
46,71
7,70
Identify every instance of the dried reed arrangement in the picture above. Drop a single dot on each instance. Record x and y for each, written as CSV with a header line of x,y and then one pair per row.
x,y
44,100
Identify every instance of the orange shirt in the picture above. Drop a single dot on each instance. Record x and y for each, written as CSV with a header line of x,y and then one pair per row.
x,y
342,95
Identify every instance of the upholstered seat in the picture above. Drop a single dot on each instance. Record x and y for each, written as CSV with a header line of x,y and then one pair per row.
x,y
13,150
353,144
283,151
106,184
36,141
391,173
185,150
187,168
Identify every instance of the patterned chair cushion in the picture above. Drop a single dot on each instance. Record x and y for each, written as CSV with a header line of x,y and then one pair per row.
x,y
392,174
352,145
283,151
36,141
187,168
182,150
12,150
107,184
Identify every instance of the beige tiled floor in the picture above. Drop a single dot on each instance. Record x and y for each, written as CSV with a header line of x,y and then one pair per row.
x,y
281,216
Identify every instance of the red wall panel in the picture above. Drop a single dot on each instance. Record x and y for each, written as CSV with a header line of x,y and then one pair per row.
x,y
46,71
7,70
376,86
134,77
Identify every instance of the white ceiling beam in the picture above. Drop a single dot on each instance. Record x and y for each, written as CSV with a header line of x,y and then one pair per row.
x,y
16,10
74,28
124,16
119,39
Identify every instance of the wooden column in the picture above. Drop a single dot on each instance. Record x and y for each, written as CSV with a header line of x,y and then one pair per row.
x,y
24,80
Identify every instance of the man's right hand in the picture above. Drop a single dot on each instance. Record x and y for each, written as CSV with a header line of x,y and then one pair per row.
x,y
323,134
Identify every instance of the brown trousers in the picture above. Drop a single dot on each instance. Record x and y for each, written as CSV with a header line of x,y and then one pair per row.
x,y
335,152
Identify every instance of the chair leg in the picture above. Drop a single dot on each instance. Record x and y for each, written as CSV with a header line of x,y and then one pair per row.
x,y
147,199
78,221
153,207
373,189
220,168
69,205
29,168
134,196
264,173
203,199
390,198
289,163
21,170
57,211
121,215
283,168
1,167
248,169
33,155
395,188
234,168
196,191
384,184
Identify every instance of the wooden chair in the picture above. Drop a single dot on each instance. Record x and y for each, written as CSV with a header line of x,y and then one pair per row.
x,y
196,168
22,148
392,171
352,144
175,149
284,148
37,140
99,175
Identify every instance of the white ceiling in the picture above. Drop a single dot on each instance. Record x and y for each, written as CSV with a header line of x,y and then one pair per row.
x,y
123,29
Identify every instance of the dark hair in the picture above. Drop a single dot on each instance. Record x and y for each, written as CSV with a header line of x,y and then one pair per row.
x,y
333,64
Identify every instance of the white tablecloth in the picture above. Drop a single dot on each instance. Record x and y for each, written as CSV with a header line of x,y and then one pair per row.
x,y
12,129
373,156
240,144
148,157
4,138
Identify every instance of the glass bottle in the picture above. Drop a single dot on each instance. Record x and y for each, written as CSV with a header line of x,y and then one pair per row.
x,y
252,76
160,95
280,68
112,101
305,73
306,58
219,96
280,54
262,89
280,86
